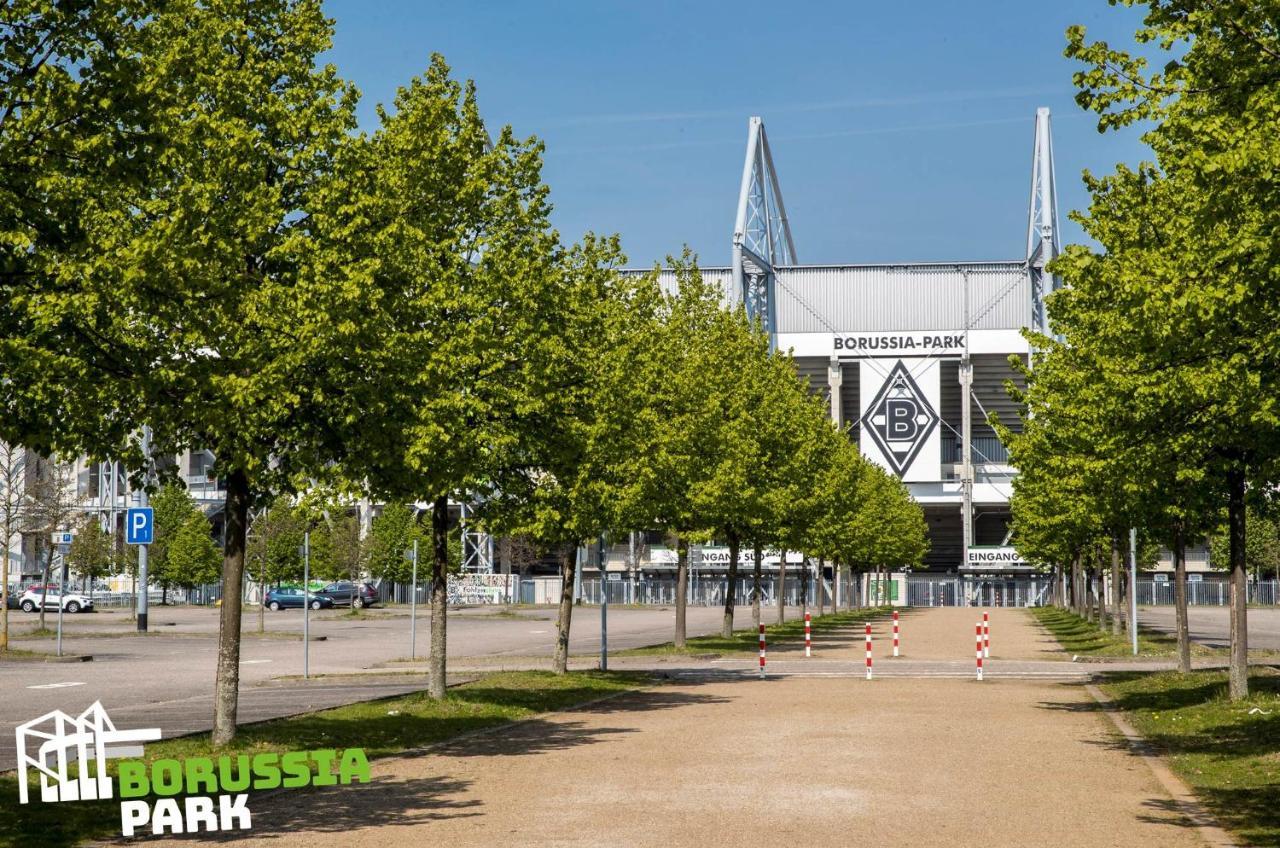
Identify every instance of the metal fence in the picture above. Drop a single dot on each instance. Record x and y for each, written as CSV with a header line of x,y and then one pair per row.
x,y
962,590
1206,593
708,591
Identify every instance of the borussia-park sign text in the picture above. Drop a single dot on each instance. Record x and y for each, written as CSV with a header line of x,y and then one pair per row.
x,y
903,343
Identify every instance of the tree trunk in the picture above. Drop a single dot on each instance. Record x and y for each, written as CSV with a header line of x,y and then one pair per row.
x,y
1088,594
4,582
726,628
782,586
682,589
1238,678
226,686
756,575
568,571
1184,644
1115,586
44,591
820,589
1077,606
439,597
262,596
1102,597
804,585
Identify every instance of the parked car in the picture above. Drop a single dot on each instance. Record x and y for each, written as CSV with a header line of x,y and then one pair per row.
x,y
50,597
282,598
342,593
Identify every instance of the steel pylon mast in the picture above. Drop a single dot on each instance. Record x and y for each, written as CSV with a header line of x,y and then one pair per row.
x,y
1044,241
761,234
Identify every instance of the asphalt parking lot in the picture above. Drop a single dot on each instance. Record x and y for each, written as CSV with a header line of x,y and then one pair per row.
x,y
1211,626
167,677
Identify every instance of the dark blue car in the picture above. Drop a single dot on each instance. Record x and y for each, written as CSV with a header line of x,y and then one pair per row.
x,y
278,599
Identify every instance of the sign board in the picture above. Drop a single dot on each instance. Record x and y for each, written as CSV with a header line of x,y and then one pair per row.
x,y
947,343
1195,578
1161,578
62,537
140,525
899,422
993,558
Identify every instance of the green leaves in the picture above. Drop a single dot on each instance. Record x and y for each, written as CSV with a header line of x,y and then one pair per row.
x,y
1164,382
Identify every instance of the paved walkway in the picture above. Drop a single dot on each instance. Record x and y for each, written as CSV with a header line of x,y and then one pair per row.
x,y
795,759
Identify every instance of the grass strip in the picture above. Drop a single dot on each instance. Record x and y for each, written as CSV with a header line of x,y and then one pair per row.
x,y
747,640
1227,752
1077,635
382,728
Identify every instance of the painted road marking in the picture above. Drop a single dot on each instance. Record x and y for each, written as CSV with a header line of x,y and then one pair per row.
x,y
253,662
58,685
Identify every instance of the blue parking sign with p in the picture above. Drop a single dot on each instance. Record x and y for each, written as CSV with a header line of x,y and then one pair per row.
x,y
139,525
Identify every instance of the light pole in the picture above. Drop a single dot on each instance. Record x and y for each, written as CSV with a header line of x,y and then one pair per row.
x,y
1133,587
604,610
306,604
413,605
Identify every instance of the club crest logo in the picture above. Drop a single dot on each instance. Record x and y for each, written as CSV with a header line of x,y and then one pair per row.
x,y
900,419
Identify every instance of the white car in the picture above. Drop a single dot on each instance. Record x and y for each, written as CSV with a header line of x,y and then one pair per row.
x,y
71,602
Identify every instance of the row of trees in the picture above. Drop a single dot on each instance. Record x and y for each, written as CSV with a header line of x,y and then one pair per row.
x,y
194,238
1154,405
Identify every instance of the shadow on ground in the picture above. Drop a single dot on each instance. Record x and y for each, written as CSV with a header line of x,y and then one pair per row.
x,y
1228,752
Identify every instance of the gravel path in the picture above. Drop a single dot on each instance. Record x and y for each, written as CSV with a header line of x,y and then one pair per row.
x,y
793,760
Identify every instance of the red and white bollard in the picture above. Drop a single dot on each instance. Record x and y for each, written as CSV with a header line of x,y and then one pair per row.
x,y
895,633
977,632
986,635
762,652
808,636
868,651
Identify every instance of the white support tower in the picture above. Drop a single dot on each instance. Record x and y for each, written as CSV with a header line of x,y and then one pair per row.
x,y
477,545
1044,241
761,234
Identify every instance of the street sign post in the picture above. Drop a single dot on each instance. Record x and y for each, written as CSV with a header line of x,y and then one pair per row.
x,y
140,530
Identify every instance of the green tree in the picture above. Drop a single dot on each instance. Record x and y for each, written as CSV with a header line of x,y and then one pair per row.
x,y
195,297
391,537
13,462
192,557
1261,548
348,554
457,228
173,508
92,552
1196,273
275,543
50,505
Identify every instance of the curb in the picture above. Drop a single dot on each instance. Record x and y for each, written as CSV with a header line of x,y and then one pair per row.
x,y
49,658
1183,797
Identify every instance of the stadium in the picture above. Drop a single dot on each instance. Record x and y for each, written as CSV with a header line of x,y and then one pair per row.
x,y
897,348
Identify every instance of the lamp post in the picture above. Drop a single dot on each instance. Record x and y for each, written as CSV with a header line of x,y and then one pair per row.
x,y
413,605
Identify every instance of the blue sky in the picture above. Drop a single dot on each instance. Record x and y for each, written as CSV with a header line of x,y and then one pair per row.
x,y
901,131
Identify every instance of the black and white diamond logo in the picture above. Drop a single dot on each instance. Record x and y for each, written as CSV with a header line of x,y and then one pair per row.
x,y
900,419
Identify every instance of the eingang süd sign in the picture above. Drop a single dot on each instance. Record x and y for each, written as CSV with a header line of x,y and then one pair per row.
x,y
994,558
